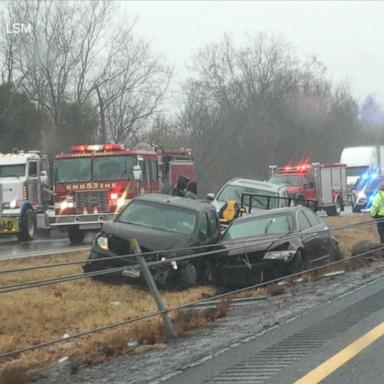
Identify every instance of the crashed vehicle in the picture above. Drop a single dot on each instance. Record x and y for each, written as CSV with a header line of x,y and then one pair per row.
x,y
268,244
158,222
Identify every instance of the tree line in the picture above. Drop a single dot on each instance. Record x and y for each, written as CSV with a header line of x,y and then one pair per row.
x,y
79,77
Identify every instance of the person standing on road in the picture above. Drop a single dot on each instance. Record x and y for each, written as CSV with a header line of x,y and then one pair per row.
x,y
377,211
179,188
191,190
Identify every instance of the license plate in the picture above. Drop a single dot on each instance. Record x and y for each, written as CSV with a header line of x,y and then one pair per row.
x,y
133,273
7,225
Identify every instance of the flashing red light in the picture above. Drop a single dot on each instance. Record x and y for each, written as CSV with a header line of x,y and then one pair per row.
x,y
85,210
113,147
78,148
286,168
114,196
95,209
97,148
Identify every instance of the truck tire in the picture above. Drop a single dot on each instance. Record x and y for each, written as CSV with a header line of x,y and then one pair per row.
x,y
300,200
76,237
336,209
28,226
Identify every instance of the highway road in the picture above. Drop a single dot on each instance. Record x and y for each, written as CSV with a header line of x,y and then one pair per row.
x,y
339,343
11,248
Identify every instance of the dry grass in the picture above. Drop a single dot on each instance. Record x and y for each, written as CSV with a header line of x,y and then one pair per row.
x,y
36,315
350,236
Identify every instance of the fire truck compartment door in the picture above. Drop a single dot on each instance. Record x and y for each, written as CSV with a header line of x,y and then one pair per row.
x,y
326,186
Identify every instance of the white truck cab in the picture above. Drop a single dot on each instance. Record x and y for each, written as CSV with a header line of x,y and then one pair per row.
x,y
270,195
24,193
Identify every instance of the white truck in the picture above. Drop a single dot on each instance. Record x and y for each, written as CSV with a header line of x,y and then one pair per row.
x,y
24,194
362,160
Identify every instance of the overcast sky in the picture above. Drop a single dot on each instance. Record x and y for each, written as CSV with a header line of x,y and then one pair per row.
x,y
347,36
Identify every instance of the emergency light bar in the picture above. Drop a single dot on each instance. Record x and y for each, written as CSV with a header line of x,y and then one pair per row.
x,y
97,148
296,168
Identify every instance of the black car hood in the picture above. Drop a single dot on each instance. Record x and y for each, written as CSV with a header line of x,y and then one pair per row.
x,y
148,238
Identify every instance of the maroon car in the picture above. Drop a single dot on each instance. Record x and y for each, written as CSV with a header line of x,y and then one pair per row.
x,y
268,244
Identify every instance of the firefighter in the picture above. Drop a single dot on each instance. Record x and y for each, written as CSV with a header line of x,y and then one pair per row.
x,y
179,188
191,190
377,211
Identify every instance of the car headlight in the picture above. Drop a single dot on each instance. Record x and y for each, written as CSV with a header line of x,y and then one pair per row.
x,y
279,255
102,242
361,195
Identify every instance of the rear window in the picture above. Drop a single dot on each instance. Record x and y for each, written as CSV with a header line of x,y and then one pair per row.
x,y
260,198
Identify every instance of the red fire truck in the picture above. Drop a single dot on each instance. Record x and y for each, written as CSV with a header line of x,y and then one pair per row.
x,y
92,182
324,184
175,163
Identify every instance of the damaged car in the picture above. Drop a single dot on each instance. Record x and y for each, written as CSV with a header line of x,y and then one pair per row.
x,y
268,244
158,222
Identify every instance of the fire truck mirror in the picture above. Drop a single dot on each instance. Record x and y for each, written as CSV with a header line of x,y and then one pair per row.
x,y
137,173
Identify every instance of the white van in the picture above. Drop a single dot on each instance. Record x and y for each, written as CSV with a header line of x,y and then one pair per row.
x,y
268,195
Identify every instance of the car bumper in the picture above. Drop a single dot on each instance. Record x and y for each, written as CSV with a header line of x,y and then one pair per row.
x,y
92,221
241,275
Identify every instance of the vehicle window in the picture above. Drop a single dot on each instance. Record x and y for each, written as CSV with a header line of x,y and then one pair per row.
x,y
14,170
154,171
70,170
32,169
113,167
158,216
296,180
260,226
203,224
234,192
213,221
312,218
303,221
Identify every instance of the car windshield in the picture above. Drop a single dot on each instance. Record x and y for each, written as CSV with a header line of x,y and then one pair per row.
x,y
259,226
295,180
72,170
113,167
355,171
261,199
12,170
158,216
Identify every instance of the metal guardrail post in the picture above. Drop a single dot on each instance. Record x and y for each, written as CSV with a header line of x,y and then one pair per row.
x,y
171,334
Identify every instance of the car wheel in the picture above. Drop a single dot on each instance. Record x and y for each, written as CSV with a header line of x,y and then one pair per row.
x,y
297,263
187,276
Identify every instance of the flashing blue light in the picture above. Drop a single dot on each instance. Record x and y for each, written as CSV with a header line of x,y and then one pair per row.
x,y
364,176
374,176
370,198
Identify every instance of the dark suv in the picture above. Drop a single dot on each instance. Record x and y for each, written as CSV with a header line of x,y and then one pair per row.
x,y
159,222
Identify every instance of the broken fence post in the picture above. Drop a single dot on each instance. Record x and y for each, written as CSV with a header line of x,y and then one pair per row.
x,y
171,334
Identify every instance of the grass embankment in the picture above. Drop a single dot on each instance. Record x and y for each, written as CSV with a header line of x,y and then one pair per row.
x,y
351,236
33,316
40,314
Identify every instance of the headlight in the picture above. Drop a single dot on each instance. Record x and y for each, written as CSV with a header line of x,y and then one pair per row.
x,y
13,204
102,242
66,204
279,255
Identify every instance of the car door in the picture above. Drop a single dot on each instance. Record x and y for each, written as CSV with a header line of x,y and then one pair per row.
x,y
324,239
308,236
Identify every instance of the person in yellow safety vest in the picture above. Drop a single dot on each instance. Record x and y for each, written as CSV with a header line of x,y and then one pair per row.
x,y
377,211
